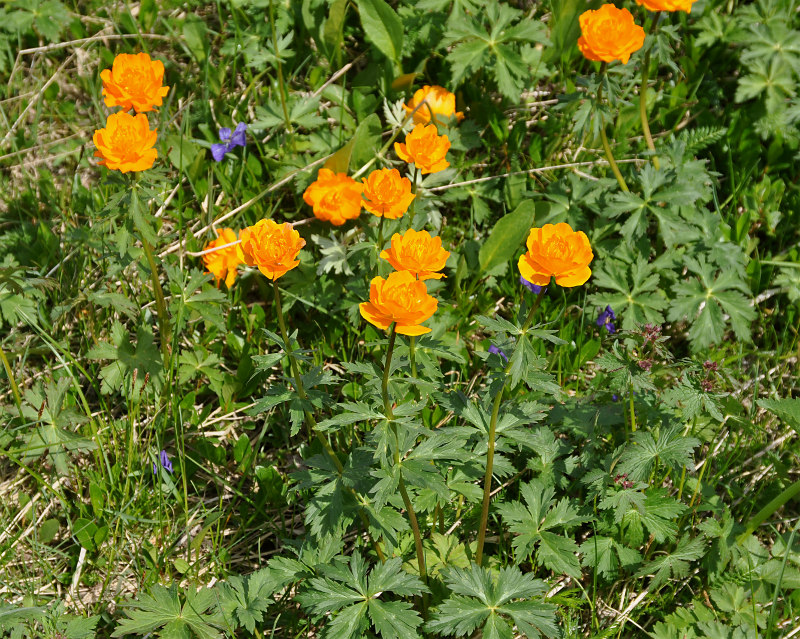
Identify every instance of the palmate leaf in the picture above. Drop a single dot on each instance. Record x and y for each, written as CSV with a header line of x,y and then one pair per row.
x,y
144,358
662,193
669,446
607,556
161,610
497,47
675,563
358,598
245,599
636,296
483,598
706,299
774,79
534,522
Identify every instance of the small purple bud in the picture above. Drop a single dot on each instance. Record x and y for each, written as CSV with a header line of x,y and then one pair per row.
x,y
166,464
497,351
533,288
606,320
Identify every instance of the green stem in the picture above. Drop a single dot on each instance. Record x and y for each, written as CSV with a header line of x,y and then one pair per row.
x,y
311,423
161,305
632,411
13,382
412,208
412,516
387,404
487,478
412,344
281,84
643,98
606,146
763,514
380,241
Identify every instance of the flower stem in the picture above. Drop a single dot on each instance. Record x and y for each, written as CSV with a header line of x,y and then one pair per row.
x,y
643,98
412,208
487,478
412,516
311,423
387,404
632,411
412,343
606,146
161,304
13,383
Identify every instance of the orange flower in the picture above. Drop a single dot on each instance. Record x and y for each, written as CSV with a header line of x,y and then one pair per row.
x,y
134,81
272,247
399,298
557,250
425,148
438,100
126,144
387,194
335,197
418,253
666,5
223,262
609,34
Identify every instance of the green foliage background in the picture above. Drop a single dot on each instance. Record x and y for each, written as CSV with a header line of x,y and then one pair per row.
x,y
645,481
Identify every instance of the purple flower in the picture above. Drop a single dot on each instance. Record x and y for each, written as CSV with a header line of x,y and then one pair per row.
x,y
229,140
497,351
615,398
166,464
533,288
606,319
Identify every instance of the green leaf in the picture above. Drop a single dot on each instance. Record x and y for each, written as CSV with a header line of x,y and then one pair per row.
x,y
705,300
356,596
675,563
636,295
670,447
483,597
506,237
787,409
162,608
533,523
383,27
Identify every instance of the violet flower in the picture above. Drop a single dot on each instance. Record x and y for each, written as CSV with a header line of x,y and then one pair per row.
x,y
497,351
166,464
229,140
533,288
606,319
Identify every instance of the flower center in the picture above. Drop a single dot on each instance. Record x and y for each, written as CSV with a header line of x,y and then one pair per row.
x,y
277,247
557,247
134,79
123,136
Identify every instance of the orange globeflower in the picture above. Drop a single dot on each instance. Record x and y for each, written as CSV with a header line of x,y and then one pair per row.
x,y
387,194
222,263
609,34
418,253
126,144
272,247
399,298
666,5
425,148
335,197
134,81
438,100
556,250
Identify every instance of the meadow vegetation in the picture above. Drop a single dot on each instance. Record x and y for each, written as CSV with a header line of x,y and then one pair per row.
x,y
399,318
